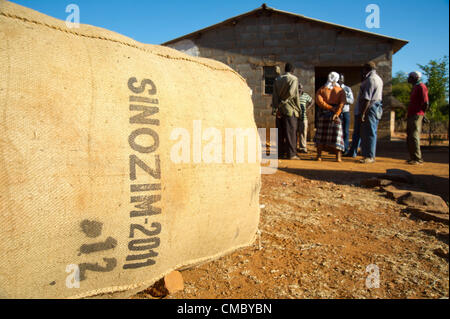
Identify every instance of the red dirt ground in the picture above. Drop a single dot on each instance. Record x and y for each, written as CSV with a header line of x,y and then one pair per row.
x,y
320,230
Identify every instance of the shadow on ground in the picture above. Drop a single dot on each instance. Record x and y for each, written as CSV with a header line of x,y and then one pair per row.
x,y
429,183
398,150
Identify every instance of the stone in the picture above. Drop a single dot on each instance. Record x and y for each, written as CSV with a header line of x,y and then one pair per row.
x,y
434,210
424,215
170,284
399,175
370,182
174,282
394,193
430,201
384,182
441,252
442,236
374,182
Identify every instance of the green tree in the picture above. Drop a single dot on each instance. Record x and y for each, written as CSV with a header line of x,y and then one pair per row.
x,y
401,90
436,72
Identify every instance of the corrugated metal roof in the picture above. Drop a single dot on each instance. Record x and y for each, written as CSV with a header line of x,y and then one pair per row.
x,y
397,44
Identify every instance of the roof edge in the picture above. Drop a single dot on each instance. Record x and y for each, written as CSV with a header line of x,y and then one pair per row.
x,y
397,45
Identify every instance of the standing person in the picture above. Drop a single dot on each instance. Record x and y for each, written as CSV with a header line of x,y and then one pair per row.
x,y
356,137
418,105
371,108
330,99
281,140
305,103
285,99
345,115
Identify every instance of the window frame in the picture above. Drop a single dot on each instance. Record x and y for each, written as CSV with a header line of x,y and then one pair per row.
x,y
268,74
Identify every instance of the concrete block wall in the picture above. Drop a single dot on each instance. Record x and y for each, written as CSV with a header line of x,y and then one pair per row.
x,y
273,39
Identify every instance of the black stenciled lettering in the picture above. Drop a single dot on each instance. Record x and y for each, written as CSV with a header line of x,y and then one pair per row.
x,y
145,205
149,233
149,262
140,148
144,187
143,99
109,243
141,88
111,263
135,161
144,111
144,116
150,254
91,228
151,243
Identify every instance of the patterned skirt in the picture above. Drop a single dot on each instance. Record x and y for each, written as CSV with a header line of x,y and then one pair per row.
x,y
329,132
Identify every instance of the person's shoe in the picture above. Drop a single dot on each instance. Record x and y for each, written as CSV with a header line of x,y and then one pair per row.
x,y
367,160
319,159
303,151
295,157
414,162
349,155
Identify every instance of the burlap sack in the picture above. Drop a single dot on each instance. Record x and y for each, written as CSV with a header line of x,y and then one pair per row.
x,y
87,182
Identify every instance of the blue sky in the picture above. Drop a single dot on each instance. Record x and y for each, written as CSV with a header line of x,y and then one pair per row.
x,y
424,23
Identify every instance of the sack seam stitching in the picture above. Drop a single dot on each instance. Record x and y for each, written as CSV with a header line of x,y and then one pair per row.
x,y
114,289
23,19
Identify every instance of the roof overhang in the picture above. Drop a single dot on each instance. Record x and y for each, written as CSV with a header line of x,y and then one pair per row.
x,y
397,44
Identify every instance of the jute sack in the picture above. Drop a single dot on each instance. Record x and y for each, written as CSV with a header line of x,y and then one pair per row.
x,y
93,201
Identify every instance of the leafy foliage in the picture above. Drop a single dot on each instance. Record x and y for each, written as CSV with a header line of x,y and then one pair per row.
x,y
401,90
436,72
437,76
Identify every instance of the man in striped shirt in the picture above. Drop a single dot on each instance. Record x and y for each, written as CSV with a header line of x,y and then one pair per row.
x,y
305,103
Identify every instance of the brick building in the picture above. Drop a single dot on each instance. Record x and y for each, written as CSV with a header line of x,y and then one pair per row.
x,y
255,42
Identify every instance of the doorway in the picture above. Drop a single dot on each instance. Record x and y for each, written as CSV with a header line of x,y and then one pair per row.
x,y
352,77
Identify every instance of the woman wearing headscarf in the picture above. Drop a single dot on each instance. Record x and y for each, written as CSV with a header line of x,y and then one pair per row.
x,y
330,99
